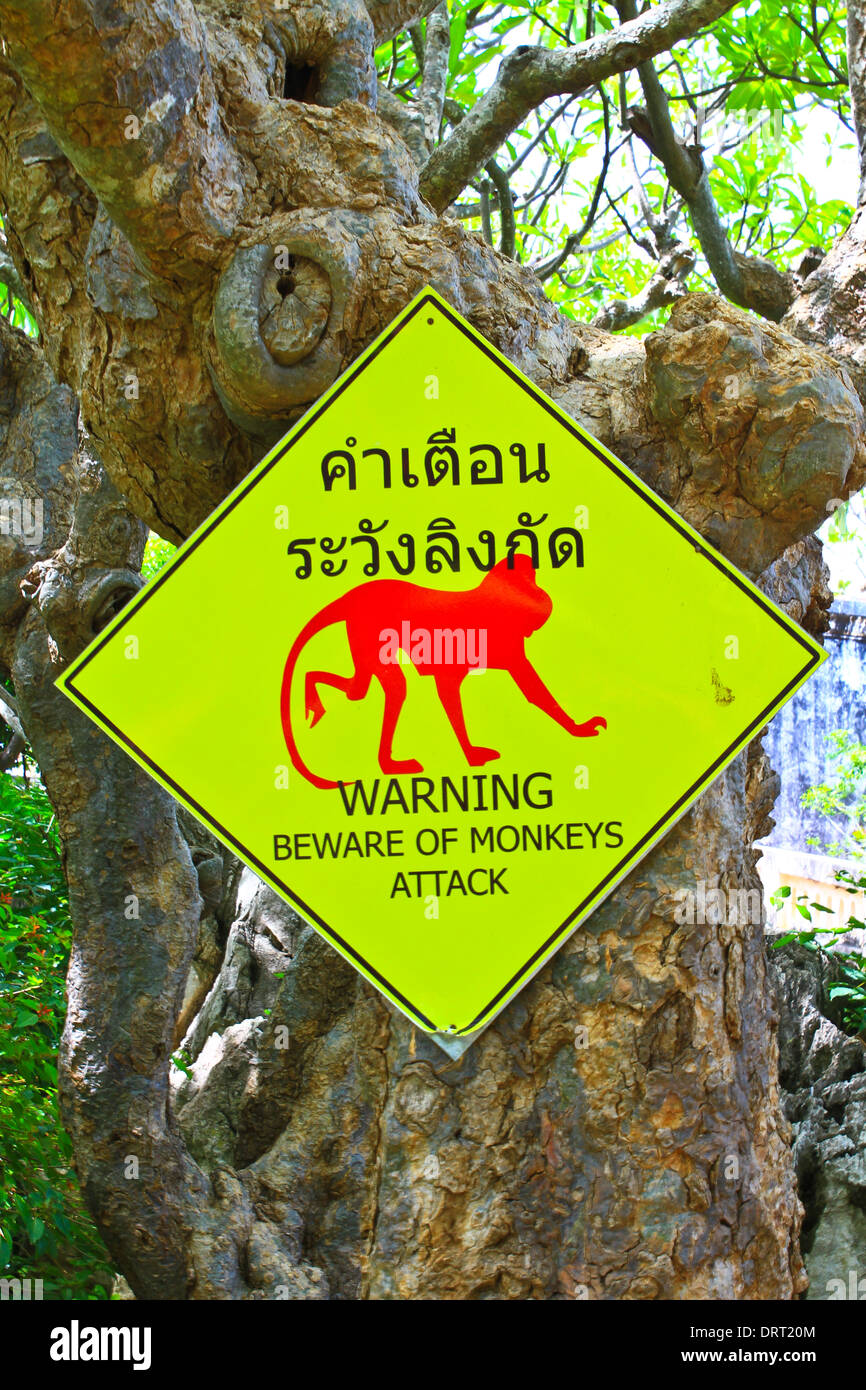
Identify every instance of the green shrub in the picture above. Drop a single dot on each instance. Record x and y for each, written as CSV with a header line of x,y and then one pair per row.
x,y
45,1231
848,991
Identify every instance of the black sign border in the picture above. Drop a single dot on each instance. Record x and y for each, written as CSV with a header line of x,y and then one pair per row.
x,y
426,302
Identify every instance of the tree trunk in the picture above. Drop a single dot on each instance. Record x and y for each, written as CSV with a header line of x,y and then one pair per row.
x,y
616,1132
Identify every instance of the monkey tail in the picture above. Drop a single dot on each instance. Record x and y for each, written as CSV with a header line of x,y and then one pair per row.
x,y
333,613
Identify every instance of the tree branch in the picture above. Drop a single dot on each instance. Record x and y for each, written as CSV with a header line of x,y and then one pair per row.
x,y
12,752
857,82
550,267
529,76
9,713
391,17
539,136
18,742
406,120
128,96
665,288
753,285
437,47
486,224
685,170
499,179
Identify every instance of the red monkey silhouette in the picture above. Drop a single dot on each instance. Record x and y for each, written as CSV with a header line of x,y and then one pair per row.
x,y
506,607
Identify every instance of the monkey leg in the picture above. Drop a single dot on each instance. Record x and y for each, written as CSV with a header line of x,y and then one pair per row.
x,y
537,693
448,687
393,684
355,687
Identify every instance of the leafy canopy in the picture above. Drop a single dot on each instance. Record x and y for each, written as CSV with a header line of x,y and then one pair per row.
x,y
764,95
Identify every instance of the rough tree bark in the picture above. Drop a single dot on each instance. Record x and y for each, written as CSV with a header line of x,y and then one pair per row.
x,y
153,159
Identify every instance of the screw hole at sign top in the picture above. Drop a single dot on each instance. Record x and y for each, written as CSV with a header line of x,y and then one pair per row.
x,y
430,321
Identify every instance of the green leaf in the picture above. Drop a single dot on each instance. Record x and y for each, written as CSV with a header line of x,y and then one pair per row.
x,y
181,1060
458,34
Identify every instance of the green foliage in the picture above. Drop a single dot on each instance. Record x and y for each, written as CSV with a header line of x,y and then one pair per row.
x,y
182,1060
11,308
842,802
848,990
842,799
845,531
157,553
16,313
45,1232
751,92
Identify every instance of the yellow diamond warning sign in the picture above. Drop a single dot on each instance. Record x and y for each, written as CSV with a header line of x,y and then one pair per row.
x,y
480,669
